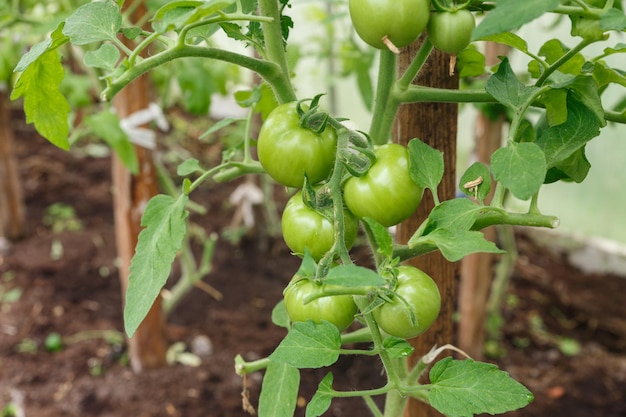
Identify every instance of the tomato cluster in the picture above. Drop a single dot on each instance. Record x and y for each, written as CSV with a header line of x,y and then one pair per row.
x,y
397,23
385,192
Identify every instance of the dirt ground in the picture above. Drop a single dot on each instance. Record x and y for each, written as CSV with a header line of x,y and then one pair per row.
x,y
75,293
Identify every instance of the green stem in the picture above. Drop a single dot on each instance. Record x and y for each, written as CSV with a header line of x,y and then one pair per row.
x,y
416,65
372,406
492,216
275,49
362,335
362,393
420,94
385,105
246,368
520,111
267,70
562,60
394,404
358,352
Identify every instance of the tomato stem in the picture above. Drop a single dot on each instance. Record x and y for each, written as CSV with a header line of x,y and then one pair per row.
x,y
385,104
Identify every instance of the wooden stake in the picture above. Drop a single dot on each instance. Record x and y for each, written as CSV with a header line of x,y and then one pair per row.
x,y
12,212
147,347
436,125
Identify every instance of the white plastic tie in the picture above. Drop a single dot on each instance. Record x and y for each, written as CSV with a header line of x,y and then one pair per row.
x,y
245,196
141,136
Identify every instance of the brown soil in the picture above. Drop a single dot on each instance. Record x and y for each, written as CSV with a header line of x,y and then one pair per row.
x,y
80,292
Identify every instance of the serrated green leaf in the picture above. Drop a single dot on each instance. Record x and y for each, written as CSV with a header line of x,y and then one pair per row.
x,y
188,167
309,345
165,226
477,173
555,101
57,38
455,246
425,164
466,388
94,22
381,236
280,317
575,168
506,88
105,57
613,19
587,92
397,348
456,215
509,39
44,105
510,15
520,167
353,276
470,63
106,125
321,400
559,142
279,392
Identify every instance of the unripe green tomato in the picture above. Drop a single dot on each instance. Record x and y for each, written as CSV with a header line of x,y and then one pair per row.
x,y
386,192
287,150
421,295
304,227
451,32
402,21
337,309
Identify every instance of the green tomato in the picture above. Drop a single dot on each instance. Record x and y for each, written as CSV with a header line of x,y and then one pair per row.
x,y
304,227
451,32
386,193
337,309
421,295
402,21
287,150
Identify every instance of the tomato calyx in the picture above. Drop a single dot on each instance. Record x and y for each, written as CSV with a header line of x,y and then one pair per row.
x,y
450,5
311,117
359,155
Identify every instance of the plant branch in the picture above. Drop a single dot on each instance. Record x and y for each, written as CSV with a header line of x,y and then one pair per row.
x,y
385,104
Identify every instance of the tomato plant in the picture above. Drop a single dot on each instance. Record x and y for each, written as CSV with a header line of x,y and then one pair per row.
x,y
413,307
337,309
386,193
380,183
304,227
451,31
400,21
288,151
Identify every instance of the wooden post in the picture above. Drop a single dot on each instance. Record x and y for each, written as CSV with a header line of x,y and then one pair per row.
x,y
477,269
12,212
436,125
130,195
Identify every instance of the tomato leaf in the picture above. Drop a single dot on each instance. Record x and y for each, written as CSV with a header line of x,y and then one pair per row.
x,y
465,388
470,63
381,236
321,400
279,392
107,126
94,22
425,165
509,39
44,105
558,143
397,347
456,215
476,181
574,168
165,227
280,317
455,246
520,167
105,57
188,167
309,345
353,276
613,19
506,88
509,15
